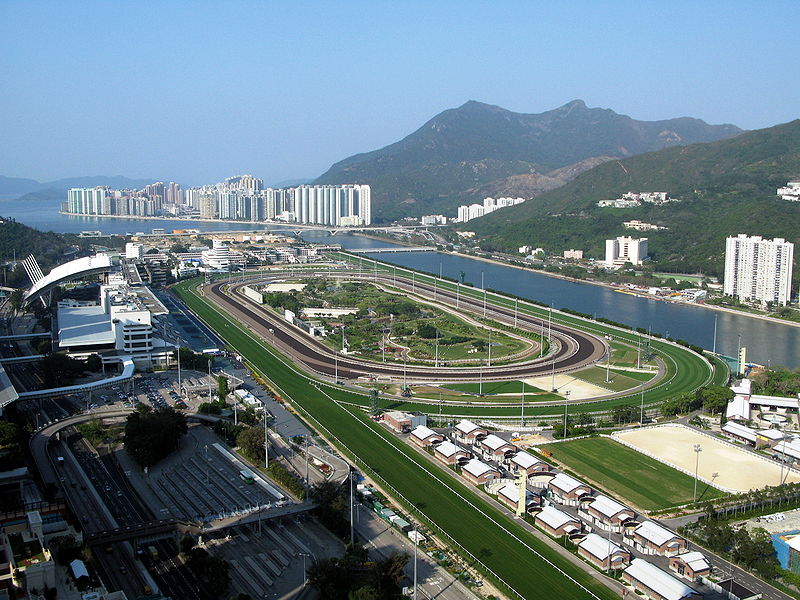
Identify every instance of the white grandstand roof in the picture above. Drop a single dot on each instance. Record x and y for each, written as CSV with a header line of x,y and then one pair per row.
x,y
655,533
599,547
554,518
657,580
70,270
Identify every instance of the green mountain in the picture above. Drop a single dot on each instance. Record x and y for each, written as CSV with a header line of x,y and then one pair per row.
x,y
49,248
464,152
726,187
17,186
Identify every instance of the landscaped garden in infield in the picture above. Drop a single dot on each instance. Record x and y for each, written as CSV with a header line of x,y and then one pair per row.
x,y
519,561
630,475
377,324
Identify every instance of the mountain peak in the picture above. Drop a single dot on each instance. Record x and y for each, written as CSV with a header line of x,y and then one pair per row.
x,y
454,154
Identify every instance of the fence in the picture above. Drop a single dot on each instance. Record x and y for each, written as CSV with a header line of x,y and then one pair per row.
x,y
616,438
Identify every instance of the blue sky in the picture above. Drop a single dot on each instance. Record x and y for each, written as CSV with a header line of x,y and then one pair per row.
x,y
196,91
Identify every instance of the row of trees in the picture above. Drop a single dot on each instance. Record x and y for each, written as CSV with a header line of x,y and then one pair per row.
x,y
712,399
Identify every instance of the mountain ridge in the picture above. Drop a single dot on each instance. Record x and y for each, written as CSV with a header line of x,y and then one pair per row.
x,y
457,152
726,187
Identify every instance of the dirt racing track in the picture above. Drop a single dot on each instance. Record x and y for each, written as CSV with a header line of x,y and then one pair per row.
x,y
570,349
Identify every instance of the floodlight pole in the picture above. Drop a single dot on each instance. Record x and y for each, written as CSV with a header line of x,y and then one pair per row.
x,y
415,561
714,350
266,441
180,387
515,313
352,522
209,379
641,412
697,450
484,295
522,407
458,287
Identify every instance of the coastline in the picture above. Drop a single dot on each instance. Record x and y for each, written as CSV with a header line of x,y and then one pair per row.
x,y
612,287
185,219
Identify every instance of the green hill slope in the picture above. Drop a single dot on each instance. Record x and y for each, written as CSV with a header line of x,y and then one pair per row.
x,y
451,158
727,187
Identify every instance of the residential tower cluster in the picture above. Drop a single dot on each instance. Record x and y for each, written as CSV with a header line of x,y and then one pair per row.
x,y
239,198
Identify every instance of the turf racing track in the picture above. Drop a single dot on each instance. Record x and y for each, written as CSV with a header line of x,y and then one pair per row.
x,y
518,562
570,348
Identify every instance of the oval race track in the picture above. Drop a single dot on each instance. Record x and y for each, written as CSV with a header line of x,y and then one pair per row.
x,y
573,349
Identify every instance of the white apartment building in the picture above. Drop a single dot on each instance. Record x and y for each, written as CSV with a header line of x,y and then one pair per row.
x,y
758,270
473,211
573,254
790,192
218,258
433,220
134,251
88,201
625,249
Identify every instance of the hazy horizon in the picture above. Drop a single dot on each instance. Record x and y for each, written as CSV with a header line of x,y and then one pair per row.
x,y
197,92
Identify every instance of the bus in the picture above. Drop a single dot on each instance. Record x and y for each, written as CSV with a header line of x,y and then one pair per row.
x,y
246,476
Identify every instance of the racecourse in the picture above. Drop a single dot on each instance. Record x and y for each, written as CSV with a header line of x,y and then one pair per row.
x,y
517,561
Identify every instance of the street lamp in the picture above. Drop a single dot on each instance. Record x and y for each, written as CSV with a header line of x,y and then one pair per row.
x,y
305,576
697,450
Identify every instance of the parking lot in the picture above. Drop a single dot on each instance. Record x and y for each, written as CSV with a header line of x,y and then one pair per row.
x,y
206,485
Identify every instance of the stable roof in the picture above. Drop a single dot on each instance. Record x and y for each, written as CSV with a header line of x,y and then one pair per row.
x,y
654,533
741,431
565,483
598,546
449,449
738,408
525,460
776,401
422,433
789,448
695,560
554,518
477,468
494,442
659,581
467,427
608,507
772,434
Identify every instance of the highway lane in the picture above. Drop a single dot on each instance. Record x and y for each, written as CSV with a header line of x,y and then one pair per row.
x,y
574,349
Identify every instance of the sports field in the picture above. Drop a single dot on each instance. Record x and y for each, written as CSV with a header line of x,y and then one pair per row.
x,y
630,475
730,466
618,380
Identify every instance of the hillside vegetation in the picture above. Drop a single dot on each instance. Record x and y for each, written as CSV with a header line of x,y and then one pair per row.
x,y
477,149
727,187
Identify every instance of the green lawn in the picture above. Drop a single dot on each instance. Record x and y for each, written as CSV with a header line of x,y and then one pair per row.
x,y
493,387
470,522
629,474
619,380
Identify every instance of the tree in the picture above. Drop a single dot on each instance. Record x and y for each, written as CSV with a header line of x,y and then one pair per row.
x,y
15,300
153,251
222,387
94,363
329,579
374,406
151,435
389,573
59,369
715,398
212,573
178,248
251,442
426,330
